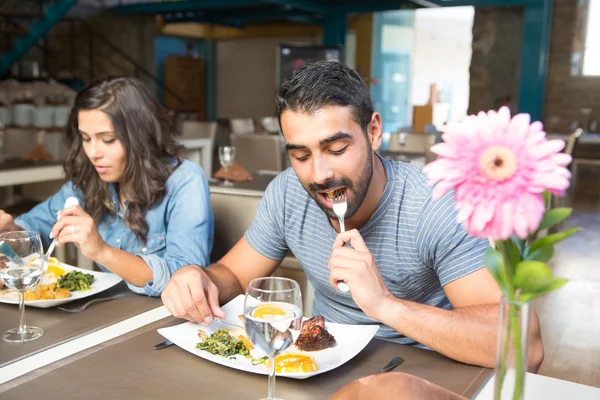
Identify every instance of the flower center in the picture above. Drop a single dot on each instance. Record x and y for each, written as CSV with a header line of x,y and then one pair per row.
x,y
498,163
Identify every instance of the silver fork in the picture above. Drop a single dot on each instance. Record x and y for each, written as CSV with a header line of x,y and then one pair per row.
x,y
340,206
86,305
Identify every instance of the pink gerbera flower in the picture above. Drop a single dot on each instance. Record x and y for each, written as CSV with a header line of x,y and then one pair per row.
x,y
499,167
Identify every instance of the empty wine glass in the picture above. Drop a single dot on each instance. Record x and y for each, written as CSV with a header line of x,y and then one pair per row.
x,y
402,137
22,263
226,157
272,307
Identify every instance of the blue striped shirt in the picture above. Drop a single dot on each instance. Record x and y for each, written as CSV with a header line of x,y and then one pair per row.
x,y
415,241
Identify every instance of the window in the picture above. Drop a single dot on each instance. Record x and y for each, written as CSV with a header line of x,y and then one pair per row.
x,y
591,54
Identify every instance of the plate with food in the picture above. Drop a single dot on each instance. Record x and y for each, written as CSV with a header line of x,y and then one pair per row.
x,y
319,346
62,283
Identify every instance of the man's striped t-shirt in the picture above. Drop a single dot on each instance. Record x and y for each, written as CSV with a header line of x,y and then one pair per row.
x,y
415,241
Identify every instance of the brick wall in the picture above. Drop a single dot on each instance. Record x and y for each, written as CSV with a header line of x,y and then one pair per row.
x,y
497,37
567,93
497,33
133,35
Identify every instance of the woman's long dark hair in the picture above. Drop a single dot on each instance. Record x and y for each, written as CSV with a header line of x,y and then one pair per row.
x,y
145,130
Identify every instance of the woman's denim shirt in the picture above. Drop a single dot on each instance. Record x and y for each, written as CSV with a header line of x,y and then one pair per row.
x,y
180,227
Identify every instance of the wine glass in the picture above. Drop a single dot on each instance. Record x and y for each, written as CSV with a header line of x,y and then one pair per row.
x,y
402,137
226,157
272,307
22,263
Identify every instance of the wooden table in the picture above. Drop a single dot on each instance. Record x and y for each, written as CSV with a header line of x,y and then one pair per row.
x,y
61,326
129,368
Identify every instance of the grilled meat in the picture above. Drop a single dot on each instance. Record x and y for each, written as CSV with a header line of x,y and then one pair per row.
x,y
313,335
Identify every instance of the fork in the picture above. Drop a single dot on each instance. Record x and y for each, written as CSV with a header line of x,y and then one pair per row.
x,y
86,305
340,206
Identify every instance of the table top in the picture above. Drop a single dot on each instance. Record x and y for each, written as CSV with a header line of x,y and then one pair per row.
x,y
256,187
135,370
61,326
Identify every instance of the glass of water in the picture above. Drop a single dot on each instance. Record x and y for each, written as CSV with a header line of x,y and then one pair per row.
x,y
22,263
272,307
226,157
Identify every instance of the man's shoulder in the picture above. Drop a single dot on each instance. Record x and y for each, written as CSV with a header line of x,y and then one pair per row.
x,y
286,184
410,180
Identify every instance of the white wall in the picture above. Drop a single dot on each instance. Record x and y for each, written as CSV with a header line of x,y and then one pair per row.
x,y
442,55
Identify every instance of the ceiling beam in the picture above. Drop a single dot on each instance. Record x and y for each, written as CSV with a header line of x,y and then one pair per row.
x,y
304,5
375,6
182,6
475,3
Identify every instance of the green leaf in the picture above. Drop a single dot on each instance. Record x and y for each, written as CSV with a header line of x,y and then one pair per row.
x,y
547,199
552,239
553,217
520,243
532,276
514,255
543,254
553,285
494,261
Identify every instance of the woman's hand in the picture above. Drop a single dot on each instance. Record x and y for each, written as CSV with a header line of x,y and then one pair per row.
x,y
76,226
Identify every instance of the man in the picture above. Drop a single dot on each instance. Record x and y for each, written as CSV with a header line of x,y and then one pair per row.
x,y
409,266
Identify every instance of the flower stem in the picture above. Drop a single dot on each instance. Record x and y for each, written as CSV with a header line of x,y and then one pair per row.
x,y
505,347
516,334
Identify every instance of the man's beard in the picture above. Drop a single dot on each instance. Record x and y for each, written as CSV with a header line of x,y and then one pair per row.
x,y
359,189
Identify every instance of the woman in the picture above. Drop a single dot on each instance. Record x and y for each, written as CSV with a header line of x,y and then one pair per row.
x,y
145,211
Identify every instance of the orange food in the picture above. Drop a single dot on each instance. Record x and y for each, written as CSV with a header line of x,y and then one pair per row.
x,y
55,270
53,266
247,343
267,310
295,363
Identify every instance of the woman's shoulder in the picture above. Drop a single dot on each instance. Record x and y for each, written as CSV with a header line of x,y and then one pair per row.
x,y
187,171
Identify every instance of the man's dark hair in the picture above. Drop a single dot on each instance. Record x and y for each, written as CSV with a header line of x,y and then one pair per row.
x,y
325,84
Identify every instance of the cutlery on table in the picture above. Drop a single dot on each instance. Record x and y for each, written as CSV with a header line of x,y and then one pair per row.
x,y
163,345
339,208
86,305
396,361
70,202
229,323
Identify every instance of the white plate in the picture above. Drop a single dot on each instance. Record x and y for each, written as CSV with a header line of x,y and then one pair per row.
x,y
350,340
102,281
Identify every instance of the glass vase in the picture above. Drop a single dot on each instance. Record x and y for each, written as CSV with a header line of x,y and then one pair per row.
x,y
512,349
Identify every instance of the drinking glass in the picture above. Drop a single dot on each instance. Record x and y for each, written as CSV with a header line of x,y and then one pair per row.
x,y
402,138
226,157
22,263
272,307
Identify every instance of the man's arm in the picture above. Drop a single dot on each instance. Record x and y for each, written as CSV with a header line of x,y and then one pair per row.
x,y
195,294
467,333
237,268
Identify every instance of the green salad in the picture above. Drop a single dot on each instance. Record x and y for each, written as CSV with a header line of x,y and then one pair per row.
x,y
221,343
75,280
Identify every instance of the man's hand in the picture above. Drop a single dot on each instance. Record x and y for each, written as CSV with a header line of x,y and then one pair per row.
x,y
6,222
190,294
356,266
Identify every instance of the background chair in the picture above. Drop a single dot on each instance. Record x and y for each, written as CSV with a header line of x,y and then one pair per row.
x,y
258,152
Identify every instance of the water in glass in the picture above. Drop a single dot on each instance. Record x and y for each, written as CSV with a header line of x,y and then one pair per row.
x,y
272,308
22,263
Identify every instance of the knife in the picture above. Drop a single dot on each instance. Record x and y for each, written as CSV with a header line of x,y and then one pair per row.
x,y
164,344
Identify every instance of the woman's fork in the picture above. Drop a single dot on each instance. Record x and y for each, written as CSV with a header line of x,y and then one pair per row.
x,y
340,206
89,303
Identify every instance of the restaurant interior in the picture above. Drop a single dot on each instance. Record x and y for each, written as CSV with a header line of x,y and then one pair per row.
x,y
215,66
